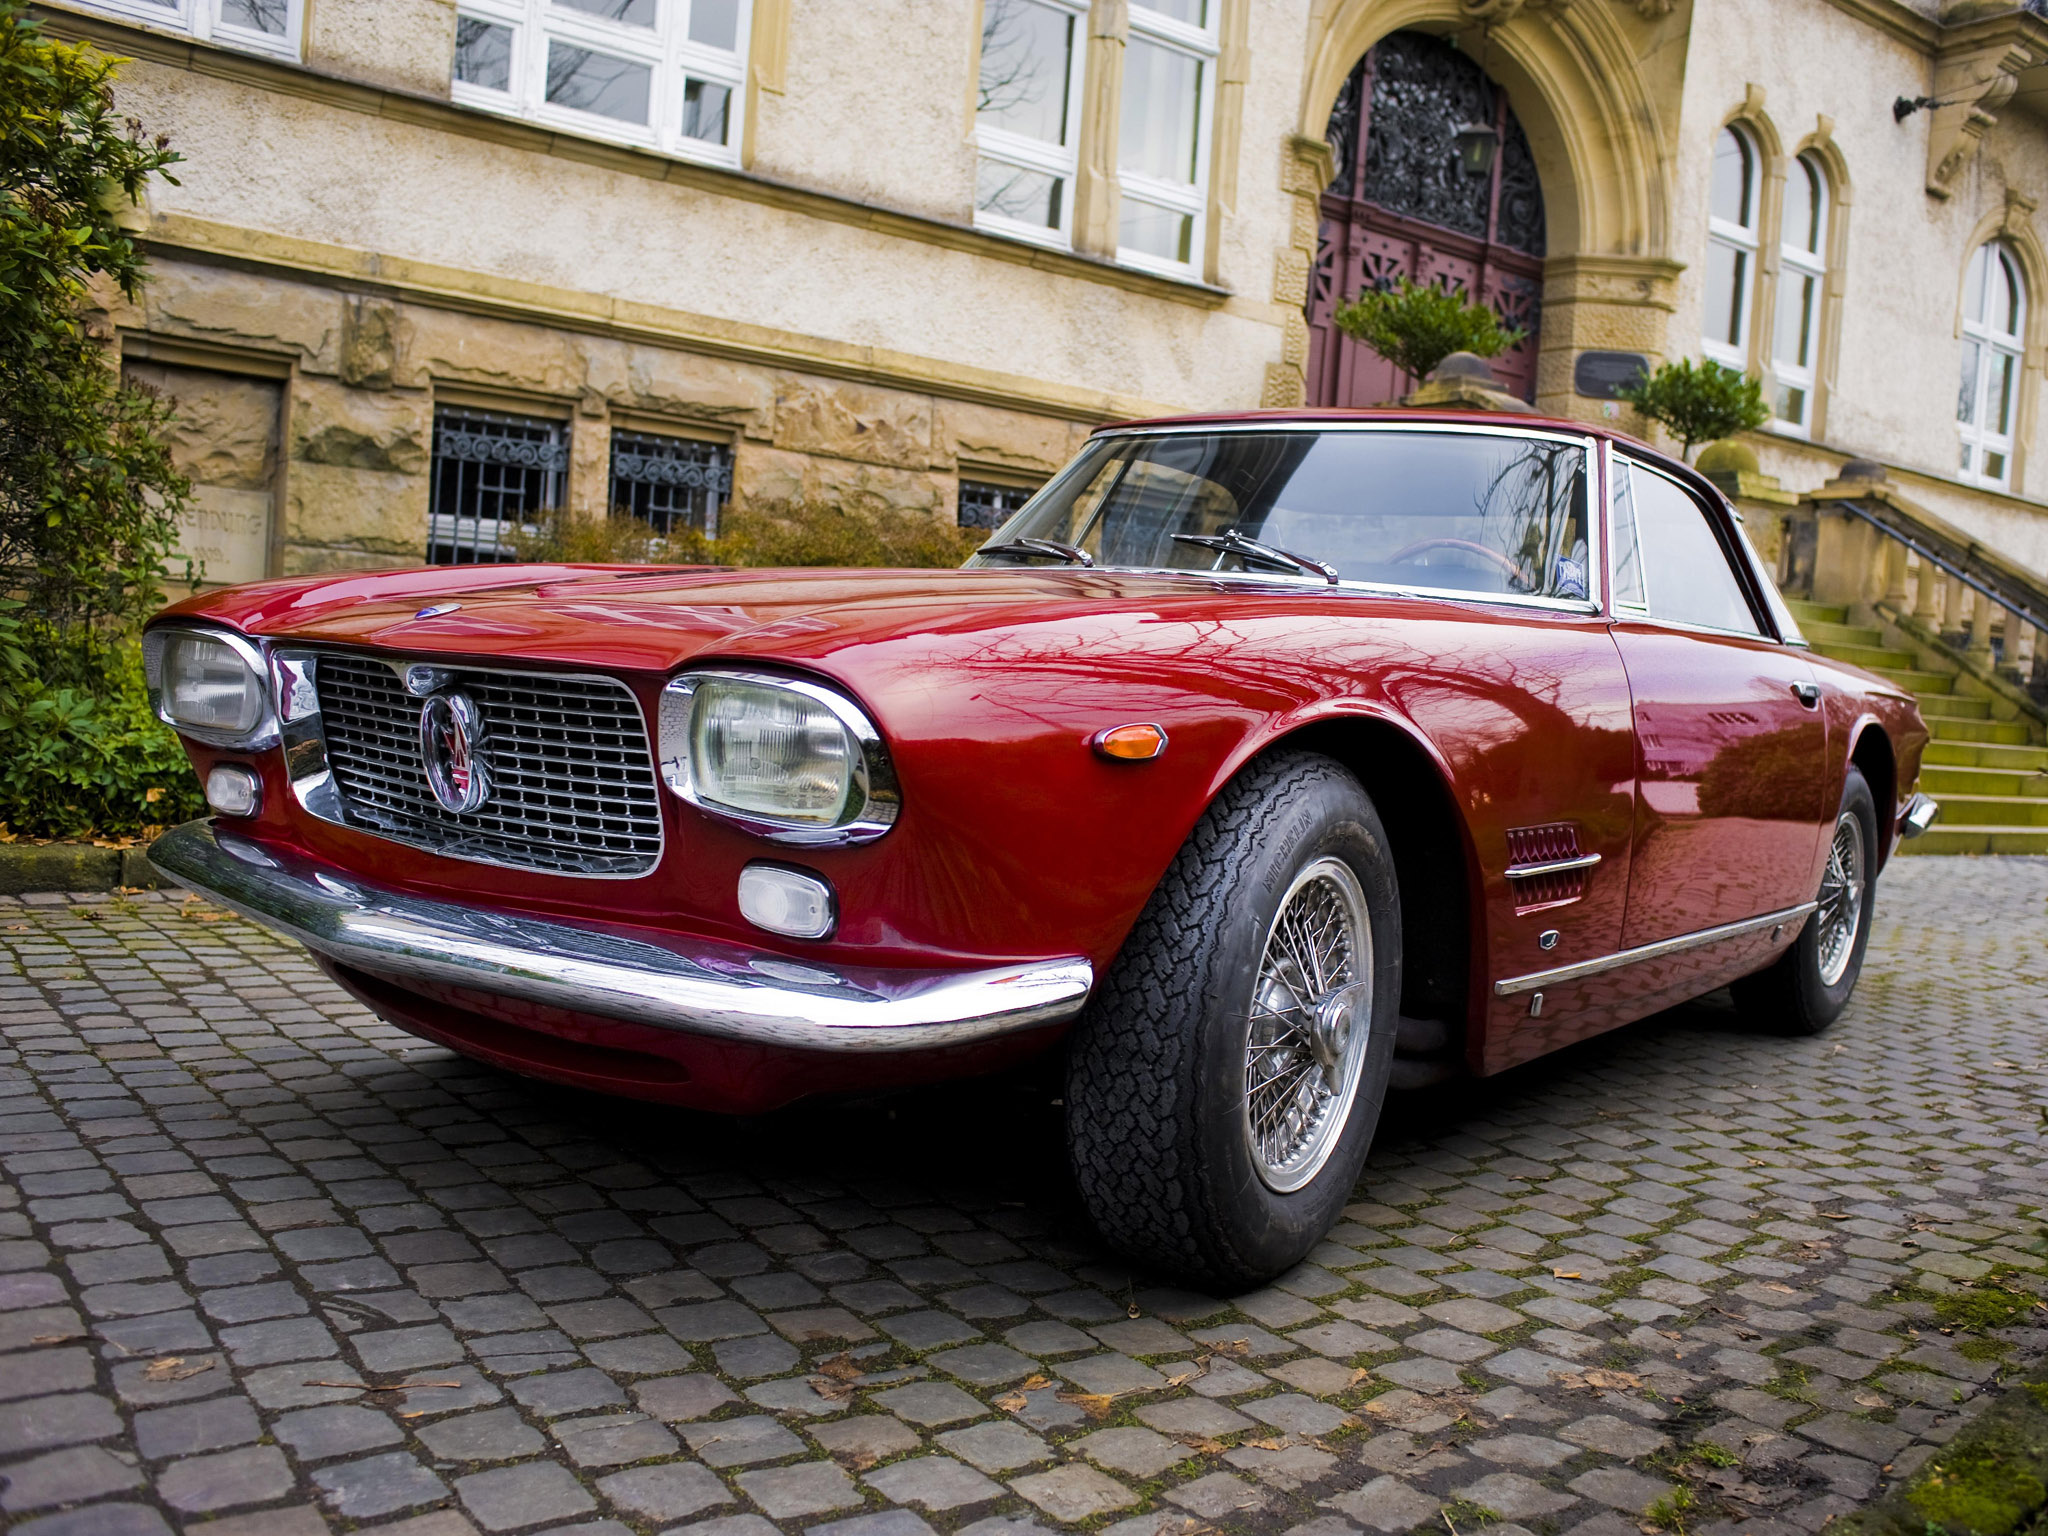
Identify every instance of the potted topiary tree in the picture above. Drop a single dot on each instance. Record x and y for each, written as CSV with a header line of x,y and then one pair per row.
x,y
1416,327
1698,404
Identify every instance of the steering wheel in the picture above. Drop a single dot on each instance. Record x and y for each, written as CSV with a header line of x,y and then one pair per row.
x,y
1421,546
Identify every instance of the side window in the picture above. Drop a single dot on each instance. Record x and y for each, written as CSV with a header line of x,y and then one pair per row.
x,y
1667,560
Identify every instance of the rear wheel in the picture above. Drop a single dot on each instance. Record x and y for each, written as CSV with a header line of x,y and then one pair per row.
x,y
1808,986
1225,1082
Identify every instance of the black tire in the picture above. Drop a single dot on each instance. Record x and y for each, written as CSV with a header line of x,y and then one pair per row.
x,y
1156,1068
1792,995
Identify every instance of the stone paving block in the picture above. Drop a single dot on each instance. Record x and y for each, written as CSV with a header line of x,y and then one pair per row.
x,y
189,1428
741,1442
1074,1492
890,1522
1216,1496
555,1393
1612,1436
1532,1451
993,1447
1515,1496
378,1485
674,1398
1385,1504
1620,1488
66,1477
930,1403
805,1488
506,1498
674,1491
39,1423
1192,1416
1111,1373
933,1482
201,1484
985,1365
1139,1453
927,1330
120,1520
495,1434
1297,1414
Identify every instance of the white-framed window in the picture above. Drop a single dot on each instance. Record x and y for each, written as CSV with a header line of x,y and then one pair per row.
x,y
1731,248
663,73
1162,149
1027,112
259,26
1994,316
1802,274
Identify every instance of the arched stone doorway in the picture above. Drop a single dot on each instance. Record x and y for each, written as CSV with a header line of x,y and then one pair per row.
x,y
1399,205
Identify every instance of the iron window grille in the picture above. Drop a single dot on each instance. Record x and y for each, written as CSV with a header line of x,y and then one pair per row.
x,y
985,505
492,474
671,482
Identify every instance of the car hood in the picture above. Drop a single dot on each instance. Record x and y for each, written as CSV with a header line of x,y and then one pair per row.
x,y
635,619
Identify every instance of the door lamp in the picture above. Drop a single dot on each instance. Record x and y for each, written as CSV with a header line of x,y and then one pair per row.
x,y
1475,145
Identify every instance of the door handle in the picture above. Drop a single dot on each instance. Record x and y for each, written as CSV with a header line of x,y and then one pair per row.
x,y
1807,694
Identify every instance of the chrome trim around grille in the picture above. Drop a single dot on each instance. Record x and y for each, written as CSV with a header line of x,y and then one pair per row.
x,y
679,983
576,791
1657,951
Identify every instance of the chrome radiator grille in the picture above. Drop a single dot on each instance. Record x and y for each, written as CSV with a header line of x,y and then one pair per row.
x,y
573,788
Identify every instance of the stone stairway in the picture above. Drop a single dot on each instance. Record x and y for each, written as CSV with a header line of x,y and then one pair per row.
x,y
1991,776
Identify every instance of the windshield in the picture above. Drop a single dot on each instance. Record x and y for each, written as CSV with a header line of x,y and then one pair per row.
x,y
1459,511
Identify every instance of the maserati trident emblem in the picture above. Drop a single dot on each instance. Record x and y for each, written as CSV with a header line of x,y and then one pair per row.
x,y
451,745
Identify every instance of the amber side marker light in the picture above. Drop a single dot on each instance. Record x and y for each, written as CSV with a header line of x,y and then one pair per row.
x,y
1129,743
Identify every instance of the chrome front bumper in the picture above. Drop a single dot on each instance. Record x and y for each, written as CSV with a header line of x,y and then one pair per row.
x,y
1917,815
683,984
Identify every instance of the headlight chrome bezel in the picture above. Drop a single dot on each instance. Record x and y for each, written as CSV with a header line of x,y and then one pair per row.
x,y
873,802
157,641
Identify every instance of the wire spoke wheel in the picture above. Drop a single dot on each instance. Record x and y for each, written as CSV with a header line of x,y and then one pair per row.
x,y
1311,1019
1840,913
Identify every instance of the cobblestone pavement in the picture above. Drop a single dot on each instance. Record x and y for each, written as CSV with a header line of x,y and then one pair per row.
x,y
269,1266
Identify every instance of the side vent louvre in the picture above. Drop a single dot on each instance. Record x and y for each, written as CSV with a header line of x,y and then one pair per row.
x,y
1547,866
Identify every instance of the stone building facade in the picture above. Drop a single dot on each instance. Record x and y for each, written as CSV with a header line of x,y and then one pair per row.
x,y
433,264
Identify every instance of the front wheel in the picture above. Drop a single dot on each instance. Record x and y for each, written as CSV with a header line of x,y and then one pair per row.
x,y
1226,1079
1807,988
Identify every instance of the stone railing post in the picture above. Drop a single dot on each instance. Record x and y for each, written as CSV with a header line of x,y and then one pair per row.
x,y
1762,501
1927,595
1849,559
1894,574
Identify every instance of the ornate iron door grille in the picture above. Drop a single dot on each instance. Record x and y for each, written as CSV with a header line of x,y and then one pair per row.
x,y
1399,206
671,482
492,473
983,505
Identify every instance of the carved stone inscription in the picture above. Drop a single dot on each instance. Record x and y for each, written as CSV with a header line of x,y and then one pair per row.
x,y
224,436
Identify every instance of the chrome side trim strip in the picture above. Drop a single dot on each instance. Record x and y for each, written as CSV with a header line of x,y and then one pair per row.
x,y
697,986
1552,867
1656,951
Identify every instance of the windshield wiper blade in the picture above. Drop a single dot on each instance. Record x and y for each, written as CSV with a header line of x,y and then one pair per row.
x,y
1230,541
1052,549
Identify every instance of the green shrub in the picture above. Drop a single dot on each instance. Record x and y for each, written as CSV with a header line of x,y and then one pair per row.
x,y
1698,405
1416,328
800,534
86,763
89,497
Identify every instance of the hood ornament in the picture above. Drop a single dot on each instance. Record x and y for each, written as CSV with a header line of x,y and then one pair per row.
x,y
435,610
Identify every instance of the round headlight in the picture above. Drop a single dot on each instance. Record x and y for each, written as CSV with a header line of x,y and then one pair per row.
x,y
209,684
793,760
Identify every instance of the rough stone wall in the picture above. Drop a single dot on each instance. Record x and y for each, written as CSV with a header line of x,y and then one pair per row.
x,y
224,436
367,371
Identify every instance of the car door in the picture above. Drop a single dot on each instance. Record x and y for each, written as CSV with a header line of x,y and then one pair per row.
x,y
1730,738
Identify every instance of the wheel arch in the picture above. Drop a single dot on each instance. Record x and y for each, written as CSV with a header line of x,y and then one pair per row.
x,y
1871,753
1435,863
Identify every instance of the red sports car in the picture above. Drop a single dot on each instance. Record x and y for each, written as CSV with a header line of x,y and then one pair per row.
x,y
1258,762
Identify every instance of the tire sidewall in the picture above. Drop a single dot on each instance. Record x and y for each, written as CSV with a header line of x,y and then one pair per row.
x,y
1822,1002
1263,1229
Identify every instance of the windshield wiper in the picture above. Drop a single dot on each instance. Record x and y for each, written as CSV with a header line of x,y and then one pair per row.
x,y
1051,549
1231,542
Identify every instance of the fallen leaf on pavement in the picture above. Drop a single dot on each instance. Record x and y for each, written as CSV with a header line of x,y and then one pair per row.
x,y
1566,1274
830,1390
1095,1404
57,1338
840,1367
174,1368
1270,1443
1835,1215
1182,1378
1201,1445
1013,1402
855,1461
1357,1376
1232,1347
1034,1384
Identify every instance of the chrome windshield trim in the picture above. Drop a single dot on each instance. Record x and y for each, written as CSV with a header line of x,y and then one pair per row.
x,y
692,985
1657,951
1552,867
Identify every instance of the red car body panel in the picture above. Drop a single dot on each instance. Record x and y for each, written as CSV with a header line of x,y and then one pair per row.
x,y
1704,789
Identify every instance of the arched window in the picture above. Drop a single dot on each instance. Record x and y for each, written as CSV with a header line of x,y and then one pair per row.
x,y
1802,270
1731,247
1994,313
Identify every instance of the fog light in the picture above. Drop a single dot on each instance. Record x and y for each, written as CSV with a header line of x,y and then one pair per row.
x,y
787,901
233,790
